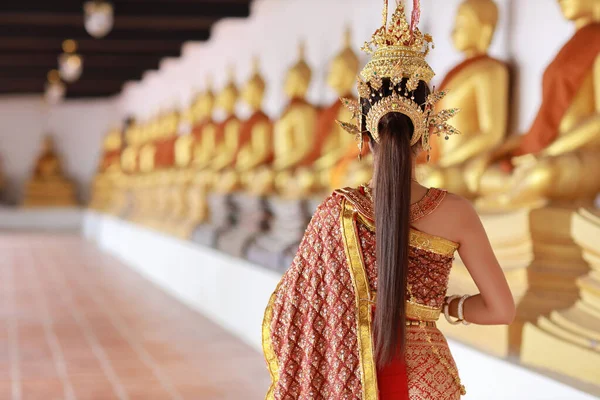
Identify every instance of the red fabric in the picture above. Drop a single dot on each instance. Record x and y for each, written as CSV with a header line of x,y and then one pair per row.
x,y
165,152
247,128
220,134
393,381
562,81
313,327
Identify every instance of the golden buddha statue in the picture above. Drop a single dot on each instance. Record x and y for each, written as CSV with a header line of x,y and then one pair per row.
x,y
552,162
102,186
129,157
181,174
204,129
48,187
479,86
255,143
349,169
528,213
202,146
336,144
296,144
228,139
164,163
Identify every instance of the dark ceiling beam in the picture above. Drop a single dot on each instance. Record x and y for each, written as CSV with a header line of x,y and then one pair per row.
x,y
50,60
79,33
104,86
217,9
89,73
86,46
49,19
145,32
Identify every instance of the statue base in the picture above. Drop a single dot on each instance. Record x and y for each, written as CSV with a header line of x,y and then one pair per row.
x,y
252,219
51,192
541,263
573,333
276,248
222,212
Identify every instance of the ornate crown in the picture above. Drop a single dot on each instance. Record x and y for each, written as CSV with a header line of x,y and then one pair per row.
x,y
398,52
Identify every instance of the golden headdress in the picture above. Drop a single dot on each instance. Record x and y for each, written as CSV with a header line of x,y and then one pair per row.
x,y
398,52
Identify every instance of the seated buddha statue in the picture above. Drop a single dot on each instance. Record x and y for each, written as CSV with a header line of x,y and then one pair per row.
x,y
254,152
227,142
180,173
227,138
130,156
254,159
48,187
335,143
296,144
553,160
479,86
203,142
296,147
164,160
108,165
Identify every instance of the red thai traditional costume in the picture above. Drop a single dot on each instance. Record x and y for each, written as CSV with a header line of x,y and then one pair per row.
x,y
317,330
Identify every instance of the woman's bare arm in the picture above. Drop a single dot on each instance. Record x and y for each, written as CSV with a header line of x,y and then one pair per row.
x,y
494,305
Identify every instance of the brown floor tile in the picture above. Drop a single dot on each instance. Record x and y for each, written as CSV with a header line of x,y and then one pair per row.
x,y
43,390
88,322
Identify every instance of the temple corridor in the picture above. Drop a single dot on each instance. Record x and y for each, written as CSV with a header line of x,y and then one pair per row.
x,y
78,324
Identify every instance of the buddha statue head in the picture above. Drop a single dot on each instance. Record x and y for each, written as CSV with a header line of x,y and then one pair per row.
x,y
204,103
298,77
474,27
130,131
582,12
113,140
344,68
254,90
229,95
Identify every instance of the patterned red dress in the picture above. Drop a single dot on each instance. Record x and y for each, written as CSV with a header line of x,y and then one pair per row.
x,y
317,336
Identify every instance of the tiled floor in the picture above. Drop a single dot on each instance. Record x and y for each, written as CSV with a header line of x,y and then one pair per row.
x,y
77,324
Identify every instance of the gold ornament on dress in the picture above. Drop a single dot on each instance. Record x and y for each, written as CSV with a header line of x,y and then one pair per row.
x,y
398,52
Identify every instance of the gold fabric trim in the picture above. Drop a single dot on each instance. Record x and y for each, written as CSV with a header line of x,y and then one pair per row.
x,y
358,274
421,240
416,311
269,352
435,244
422,312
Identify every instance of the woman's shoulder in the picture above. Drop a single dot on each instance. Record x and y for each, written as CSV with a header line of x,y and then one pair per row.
x,y
453,215
456,205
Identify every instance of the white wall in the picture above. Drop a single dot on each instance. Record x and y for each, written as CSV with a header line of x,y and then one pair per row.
x,y
77,126
529,35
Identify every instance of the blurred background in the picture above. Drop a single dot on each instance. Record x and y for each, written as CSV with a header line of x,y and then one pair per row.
x,y
160,160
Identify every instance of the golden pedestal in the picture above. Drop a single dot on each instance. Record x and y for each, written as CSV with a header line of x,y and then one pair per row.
x,y
50,192
568,341
541,263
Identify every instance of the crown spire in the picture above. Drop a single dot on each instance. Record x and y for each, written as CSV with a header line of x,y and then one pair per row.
x,y
255,65
302,50
348,37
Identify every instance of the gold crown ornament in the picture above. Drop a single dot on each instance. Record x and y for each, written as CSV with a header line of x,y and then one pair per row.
x,y
398,52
